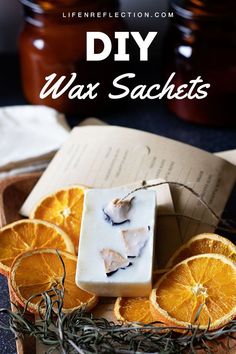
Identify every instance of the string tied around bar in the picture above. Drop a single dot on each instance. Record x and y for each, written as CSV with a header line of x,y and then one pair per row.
x,y
225,225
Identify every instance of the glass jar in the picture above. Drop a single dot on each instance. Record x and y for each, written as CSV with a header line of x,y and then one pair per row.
x,y
53,40
202,41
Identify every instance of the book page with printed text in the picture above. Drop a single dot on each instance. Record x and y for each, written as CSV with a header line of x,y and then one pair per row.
x,y
109,156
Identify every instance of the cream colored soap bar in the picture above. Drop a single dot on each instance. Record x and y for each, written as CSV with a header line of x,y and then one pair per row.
x,y
117,242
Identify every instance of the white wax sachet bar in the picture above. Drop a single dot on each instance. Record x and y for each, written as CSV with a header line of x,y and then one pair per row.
x,y
117,244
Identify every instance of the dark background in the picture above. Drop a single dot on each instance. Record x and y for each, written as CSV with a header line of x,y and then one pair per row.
x,y
149,115
153,117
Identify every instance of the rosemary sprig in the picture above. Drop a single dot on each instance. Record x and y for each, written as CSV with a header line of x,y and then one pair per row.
x,y
79,332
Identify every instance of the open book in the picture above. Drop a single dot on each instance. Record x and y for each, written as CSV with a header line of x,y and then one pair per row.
x,y
109,156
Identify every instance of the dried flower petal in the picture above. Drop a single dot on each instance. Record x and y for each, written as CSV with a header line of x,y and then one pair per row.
x,y
135,240
113,261
117,211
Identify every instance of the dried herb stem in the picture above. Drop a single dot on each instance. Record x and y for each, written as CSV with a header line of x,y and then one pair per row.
x,y
79,332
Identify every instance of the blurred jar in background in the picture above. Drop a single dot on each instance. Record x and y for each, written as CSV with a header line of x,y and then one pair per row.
x,y
202,41
53,41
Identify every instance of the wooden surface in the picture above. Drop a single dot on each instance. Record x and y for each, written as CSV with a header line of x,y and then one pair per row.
x,y
13,192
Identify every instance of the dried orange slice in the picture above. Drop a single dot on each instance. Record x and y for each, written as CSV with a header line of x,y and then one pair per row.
x,y
204,243
206,282
157,273
136,309
130,309
23,235
37,271
63,208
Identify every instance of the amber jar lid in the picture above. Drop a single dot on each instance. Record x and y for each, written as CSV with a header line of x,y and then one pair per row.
x,y
202,10
42,6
